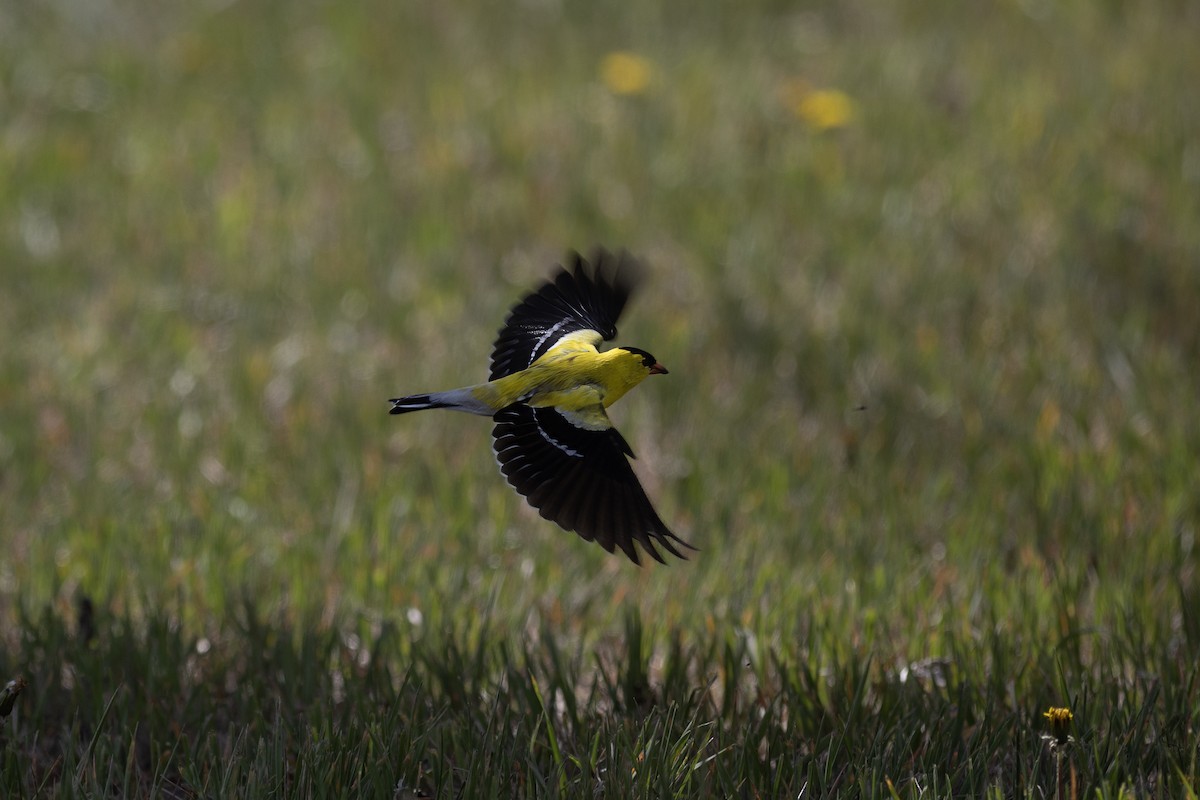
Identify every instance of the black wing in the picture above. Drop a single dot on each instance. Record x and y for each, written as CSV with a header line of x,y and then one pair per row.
x,y
579,479
588,297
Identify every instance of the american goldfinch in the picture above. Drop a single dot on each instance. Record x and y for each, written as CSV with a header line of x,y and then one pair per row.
x,y
547,394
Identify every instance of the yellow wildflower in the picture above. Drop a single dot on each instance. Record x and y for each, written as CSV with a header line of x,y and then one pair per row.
x,y
1058,740
626,73
822,109
827,108
1060,724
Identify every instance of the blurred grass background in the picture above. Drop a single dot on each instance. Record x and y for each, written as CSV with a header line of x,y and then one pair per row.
x,y
925,275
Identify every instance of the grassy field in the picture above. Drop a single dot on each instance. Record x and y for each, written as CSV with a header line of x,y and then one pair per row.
x,y
926,275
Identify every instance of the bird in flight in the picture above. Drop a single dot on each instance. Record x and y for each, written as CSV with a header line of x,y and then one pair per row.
x,y
547,394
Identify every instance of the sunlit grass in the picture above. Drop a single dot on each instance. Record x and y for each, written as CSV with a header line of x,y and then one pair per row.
x,y
925,279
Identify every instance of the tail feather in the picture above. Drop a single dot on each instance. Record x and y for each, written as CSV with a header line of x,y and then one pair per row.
x,y
414,402
456,399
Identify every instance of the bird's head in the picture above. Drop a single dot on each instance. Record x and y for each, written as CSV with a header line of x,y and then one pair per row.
x,y
649,362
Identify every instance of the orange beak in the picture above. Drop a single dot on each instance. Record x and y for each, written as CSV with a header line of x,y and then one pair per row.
x,y
658,369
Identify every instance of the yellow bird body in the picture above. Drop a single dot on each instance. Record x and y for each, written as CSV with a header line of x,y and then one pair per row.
x,y
573,376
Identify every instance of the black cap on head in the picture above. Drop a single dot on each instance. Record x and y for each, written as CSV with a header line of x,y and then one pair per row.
x,y
647,359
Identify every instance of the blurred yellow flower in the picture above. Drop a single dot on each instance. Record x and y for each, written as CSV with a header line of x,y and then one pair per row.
x,y
626,73
823,109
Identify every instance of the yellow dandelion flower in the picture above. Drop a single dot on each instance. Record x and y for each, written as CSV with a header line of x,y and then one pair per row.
x,y
1060,723
822,109
626,73
1059,716
1059,740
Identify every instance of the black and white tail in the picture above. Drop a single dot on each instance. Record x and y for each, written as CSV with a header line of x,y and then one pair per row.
x,y
414,402
455,400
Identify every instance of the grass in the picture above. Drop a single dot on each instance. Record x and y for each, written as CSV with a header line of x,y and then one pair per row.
x,y
929,418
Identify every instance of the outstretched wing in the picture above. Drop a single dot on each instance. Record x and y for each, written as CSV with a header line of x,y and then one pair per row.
x,y
580,478
586,297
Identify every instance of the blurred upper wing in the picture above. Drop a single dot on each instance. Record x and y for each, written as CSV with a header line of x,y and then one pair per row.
x,y
579,478
588,297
